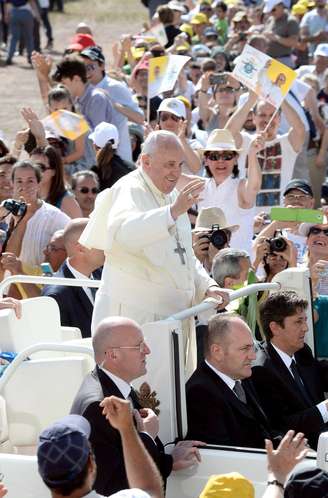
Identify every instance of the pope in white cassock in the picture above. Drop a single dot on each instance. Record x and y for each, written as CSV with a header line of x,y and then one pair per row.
x,y
141,223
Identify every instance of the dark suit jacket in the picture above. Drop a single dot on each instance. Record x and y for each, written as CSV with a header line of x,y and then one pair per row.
x,y
217,416
280,395
74,305
105,440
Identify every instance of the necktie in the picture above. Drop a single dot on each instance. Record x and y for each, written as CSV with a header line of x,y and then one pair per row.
x,y
299,382
134,398
239,391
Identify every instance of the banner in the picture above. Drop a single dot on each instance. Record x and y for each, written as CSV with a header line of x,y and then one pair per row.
x,y
66,124
163,73
267,77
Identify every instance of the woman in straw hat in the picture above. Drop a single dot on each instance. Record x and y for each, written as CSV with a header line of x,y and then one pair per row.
x,y
224,189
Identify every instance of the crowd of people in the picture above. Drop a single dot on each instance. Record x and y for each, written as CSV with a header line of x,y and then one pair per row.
x,y
170,200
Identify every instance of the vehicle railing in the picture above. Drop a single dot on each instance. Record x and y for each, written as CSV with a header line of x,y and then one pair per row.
x,y
210,303
35,348
38,279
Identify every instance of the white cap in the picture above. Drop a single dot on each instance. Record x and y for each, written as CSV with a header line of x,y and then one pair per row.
x,y
174,106
270,4
322,49
104,133
175,5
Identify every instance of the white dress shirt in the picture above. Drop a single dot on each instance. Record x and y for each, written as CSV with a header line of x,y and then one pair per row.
x,y
123,386
287,360
78,274
226,379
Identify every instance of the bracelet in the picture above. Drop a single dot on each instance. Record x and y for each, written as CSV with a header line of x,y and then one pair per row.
x,y
275,482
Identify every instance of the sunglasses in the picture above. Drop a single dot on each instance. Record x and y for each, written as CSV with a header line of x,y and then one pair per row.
x,y
90,67
226,89
86,190
216,156
316,231
165,116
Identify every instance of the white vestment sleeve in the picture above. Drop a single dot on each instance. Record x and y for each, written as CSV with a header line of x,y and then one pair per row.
x,y
202,281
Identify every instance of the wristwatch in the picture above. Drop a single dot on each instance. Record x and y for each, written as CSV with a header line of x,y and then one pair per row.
x,y
275,482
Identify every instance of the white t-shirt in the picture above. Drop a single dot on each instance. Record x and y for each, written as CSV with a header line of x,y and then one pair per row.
x,y
124,493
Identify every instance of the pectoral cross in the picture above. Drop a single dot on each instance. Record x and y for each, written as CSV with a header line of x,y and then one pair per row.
x,y
181,251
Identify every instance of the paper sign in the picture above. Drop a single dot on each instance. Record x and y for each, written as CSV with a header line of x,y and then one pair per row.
x,y
164,72
267,77
66,124
158,32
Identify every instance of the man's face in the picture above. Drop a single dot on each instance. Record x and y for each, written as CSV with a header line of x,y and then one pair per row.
x,y
321,63
85,192
320,4
290,337
237,351
262,118
142,78
297,198
94,70
318,242
71,85
6,186
55,252
164,167
277,11
130,362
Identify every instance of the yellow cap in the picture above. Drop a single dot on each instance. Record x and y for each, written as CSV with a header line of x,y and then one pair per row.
x,y
186,28
199,19
209,2
137,53
185,101
183,47
299,9
232,485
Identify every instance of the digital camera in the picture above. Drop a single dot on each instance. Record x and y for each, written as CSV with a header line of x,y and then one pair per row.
x,y
17,208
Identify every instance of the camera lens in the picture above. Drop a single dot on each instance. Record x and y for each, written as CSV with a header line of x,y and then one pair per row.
x,y
219,239
278,244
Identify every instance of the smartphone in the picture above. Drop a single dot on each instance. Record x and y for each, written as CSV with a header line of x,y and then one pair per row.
x,y
47,270
296,214
218,79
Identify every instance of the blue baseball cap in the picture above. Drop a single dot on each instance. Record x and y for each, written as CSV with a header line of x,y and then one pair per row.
x,y
63,450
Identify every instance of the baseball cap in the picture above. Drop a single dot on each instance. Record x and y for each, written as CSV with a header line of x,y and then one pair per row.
x,y
270,4
174,106
104,133
175,5
93,53
233,485
322,49
199,19
210,31
63,450
311,483
200,50
301,185
80,41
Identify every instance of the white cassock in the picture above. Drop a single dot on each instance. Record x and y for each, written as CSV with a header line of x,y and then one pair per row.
x,y
144,277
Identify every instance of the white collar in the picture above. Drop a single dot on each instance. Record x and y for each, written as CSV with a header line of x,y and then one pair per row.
x,y
123,386
75,272
284,356
226,379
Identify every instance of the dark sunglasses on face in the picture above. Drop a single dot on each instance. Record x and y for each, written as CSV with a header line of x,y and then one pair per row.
x,y
216,156
90,67
86,190
165,116
316,231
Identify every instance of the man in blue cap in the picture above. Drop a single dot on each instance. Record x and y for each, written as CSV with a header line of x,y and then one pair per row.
x,y
67,465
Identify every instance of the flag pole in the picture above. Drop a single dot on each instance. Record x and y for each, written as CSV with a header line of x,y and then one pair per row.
x,y
271,119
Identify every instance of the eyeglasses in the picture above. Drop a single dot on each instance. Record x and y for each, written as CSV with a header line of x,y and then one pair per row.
x,y
90,67
217,156
316,231
142,347
295,197
86,190
226,89
53,248
165,116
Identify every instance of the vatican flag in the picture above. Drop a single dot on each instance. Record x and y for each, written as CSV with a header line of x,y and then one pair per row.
x,y
163,73
66,124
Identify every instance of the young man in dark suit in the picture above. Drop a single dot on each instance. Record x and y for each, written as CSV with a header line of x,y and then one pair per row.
x,y
222,405
76,303
290,382
121,355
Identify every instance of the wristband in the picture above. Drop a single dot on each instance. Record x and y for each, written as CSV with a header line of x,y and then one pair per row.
x,y
275,482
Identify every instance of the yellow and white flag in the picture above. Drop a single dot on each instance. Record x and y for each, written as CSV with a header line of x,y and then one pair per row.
x,y
267,77
163,73
66,124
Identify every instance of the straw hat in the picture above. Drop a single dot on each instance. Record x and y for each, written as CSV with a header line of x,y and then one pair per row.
x,y
220,140
213,216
